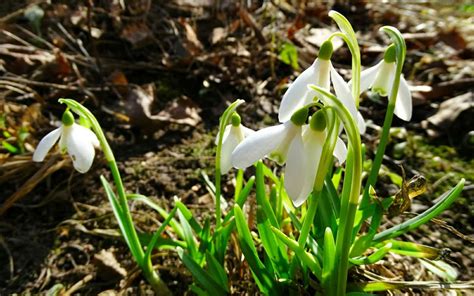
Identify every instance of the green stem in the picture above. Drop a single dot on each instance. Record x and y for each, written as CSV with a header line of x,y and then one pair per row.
x,y
351,40
400,47
224,120
134,243
350,199
309,218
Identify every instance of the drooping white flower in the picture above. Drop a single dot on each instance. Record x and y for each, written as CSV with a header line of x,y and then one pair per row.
x,y
234,133
380,79
301,169
273,142
76,140
320,73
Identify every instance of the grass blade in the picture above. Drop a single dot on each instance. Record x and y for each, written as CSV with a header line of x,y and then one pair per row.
x,y
260,273
201,276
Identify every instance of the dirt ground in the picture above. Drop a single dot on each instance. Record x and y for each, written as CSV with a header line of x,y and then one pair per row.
x,y
157,75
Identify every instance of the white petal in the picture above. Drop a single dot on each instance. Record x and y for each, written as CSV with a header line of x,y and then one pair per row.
x,y
80,148
313,146
384,79
92,137
367,77
403,104
46,144
257,145
296,94
246,131
233,139
226,133
361,123
343,92
295,169
62,140
340,150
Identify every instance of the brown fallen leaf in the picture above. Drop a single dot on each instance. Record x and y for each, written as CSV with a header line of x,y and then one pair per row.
x,y
139,104
137,33
109,269
448,113
181,110
191,43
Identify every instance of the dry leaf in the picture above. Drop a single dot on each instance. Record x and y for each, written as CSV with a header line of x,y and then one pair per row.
x,y
108,267
137,33
139,109
182,110
192,43
449,111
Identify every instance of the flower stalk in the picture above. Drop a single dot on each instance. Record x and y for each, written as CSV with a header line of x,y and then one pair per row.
x,y
350,198
400,48
125,217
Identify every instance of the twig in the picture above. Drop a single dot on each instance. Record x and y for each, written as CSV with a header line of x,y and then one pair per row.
x,y
79,285
10,257
47,169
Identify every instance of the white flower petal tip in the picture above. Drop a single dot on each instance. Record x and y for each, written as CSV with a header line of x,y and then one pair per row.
x,y
404,105
295,169
296,95
76,140
257,145
361,124
231,138
46,144
340,151
367,77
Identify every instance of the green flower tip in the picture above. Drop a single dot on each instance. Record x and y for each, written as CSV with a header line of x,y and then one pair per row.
x,y
325,52
68,118
299,117
390,54
235,119
318,121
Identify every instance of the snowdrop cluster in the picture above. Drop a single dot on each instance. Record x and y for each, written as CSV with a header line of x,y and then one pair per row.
x,y
298,140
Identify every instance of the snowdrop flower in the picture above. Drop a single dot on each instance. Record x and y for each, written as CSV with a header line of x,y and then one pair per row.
x,y
274,142
234,133
301,171
76,140
380,79
320,73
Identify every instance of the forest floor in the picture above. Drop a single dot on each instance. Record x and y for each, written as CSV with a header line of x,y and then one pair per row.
x,y
158,75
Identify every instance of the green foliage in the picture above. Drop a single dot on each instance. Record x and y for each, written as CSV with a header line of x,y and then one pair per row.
x,y
289,55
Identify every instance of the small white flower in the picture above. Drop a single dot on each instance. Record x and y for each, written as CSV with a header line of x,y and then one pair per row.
x,y
380,79
76,140
321,73
233,134
303,161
